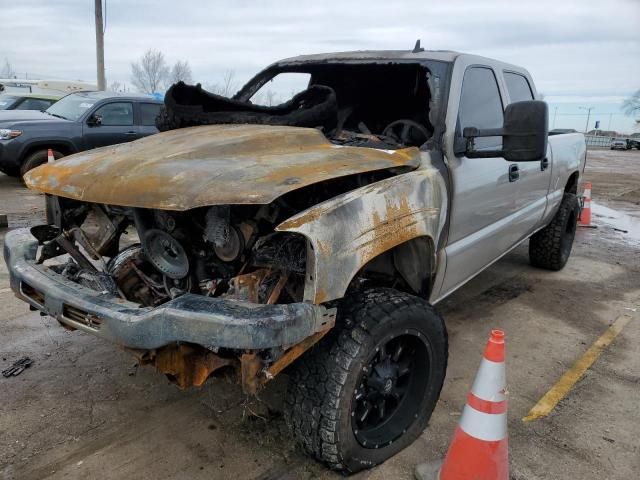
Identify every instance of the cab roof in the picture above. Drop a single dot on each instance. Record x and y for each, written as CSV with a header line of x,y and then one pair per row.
x,y
374,56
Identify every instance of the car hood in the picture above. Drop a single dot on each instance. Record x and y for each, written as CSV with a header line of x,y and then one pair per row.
x,y
210,165
23,117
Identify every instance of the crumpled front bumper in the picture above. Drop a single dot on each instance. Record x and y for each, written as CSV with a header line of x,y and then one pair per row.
x,y
211,322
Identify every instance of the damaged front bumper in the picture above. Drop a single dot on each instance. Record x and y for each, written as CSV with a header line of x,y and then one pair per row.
x,y
211,322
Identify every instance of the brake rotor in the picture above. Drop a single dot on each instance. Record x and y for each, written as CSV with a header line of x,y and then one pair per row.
x,y
165,253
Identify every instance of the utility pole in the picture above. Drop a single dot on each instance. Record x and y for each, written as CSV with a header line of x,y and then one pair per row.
x,y
100,45
555,112
588,109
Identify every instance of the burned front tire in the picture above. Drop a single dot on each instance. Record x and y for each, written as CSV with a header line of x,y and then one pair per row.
x,y
550,247
368,389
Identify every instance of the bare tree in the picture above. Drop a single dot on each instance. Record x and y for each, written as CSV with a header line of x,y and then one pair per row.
x,y
229,83
631,105
227,87
151,72
7,70
115,86
181,71
272,98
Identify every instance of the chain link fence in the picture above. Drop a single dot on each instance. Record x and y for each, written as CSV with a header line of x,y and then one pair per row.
x,y
598,141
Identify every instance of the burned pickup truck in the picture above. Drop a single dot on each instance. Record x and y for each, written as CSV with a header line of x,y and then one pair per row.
x,y
314,235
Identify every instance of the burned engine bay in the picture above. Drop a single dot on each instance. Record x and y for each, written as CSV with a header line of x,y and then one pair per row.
x,y
151,256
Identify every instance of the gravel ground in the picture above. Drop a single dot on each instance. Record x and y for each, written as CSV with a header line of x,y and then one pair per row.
x,y
84,410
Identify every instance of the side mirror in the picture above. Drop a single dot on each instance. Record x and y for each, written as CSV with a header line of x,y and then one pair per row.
x,y
94,120
524,133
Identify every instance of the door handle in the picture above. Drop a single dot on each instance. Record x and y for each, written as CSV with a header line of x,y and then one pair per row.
x,y
544,164
130,133
514,172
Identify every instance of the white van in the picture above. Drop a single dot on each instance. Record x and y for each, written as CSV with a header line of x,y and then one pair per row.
x,y
43,87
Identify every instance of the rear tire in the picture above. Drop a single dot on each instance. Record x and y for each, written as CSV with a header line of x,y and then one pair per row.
x,y
36,159
550,247
368,389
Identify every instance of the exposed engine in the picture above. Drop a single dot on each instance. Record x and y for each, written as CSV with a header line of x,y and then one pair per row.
x,y
215,251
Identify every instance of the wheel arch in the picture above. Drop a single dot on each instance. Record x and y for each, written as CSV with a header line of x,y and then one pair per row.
x,y
409,267
572,183
62,146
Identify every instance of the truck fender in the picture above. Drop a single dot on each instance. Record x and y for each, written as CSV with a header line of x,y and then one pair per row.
x,y
346,232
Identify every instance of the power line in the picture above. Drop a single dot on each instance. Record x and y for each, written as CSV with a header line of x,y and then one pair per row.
x,y
596,113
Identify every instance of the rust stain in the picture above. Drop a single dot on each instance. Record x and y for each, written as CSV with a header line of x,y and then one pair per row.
x,y
209,165
396,226
294,352
250,366
277,289
321,296
186,365
324,248
248,284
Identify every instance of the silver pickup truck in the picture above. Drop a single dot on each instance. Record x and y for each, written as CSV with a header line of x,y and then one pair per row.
x,y
314,235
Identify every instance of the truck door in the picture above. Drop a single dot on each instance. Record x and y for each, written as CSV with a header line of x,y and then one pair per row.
x,y
535,177
115,125
484,218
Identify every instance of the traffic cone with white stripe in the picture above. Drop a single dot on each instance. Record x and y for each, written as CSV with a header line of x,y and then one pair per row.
x,y
585,213
50,157
479,448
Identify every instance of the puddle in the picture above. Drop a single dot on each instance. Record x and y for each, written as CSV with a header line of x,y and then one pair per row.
x,y
627,226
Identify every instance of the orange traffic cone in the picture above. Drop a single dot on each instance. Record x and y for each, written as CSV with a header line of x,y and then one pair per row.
x,y
479,448
585,214
50,157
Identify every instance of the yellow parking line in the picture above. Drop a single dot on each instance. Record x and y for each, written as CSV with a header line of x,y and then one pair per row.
x,y
547,403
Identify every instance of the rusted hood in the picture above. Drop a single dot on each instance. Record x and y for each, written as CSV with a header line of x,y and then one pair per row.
x,y
210,165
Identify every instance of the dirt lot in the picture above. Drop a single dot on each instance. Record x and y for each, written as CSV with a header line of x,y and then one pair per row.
x,y
83,410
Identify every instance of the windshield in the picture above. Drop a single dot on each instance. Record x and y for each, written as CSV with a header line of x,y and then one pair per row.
x,y
71,107
6,101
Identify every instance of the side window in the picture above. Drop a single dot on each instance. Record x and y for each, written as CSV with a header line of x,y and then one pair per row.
x,y
481,106
281,88
518,87
116,114
148,113
34,104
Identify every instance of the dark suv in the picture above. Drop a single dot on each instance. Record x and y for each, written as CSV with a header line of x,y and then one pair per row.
x,y
80,121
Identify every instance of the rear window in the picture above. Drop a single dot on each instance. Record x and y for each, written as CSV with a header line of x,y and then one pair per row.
x,y
148,113
6,101
518,87
34,104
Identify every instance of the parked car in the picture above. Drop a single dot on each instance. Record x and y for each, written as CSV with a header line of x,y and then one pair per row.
x,y
631,143
27,101
79,121
619,144
262,237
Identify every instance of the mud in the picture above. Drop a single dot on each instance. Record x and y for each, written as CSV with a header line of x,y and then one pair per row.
x,y
84,410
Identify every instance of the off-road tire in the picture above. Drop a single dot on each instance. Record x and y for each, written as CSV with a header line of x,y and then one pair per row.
x,y
36,159
324,381
550,247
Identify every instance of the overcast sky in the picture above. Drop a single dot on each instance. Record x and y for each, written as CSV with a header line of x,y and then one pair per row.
x,y
580,52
